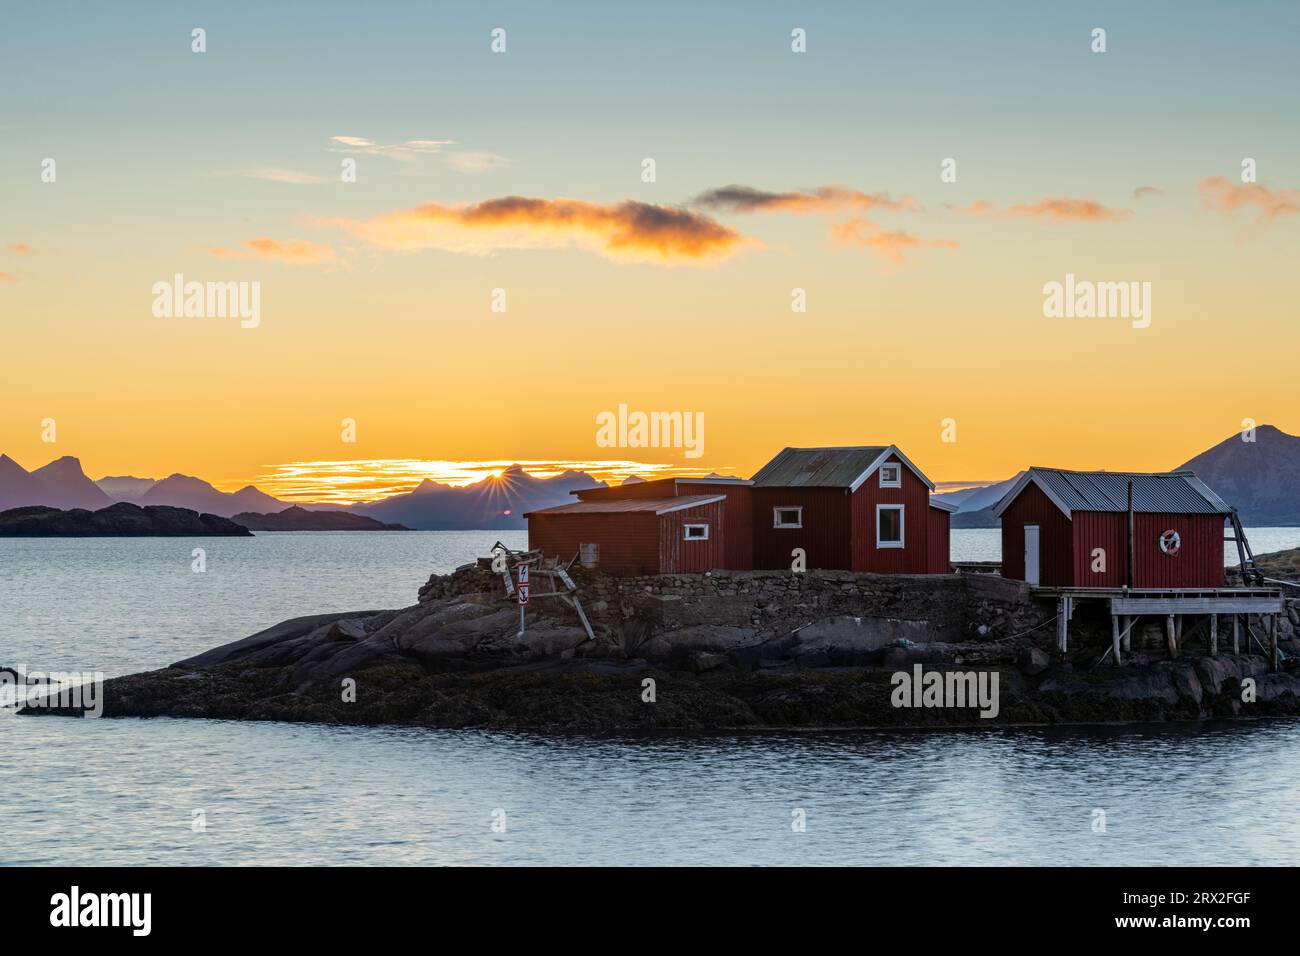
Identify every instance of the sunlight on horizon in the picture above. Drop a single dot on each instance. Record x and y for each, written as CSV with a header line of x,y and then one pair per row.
x,y
364,480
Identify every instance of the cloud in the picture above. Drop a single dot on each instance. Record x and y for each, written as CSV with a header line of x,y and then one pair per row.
x,y
20,248
824,199
408,151
291,251
274,175
475,162
1142,191
6,277
1221,195
1057,209
627,231
891,244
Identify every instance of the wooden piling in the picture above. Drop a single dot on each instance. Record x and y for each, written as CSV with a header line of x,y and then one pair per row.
x,y
1171,637
1275,662
1062,623
1114,638
1236,634
1128,633
1214,635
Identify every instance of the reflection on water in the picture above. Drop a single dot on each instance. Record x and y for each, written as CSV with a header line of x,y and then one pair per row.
x,y
127,791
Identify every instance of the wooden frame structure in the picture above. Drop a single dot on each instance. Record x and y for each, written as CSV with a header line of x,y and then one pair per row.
x,y
1128,605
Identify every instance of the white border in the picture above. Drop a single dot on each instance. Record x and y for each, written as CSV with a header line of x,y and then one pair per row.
x,y
902,527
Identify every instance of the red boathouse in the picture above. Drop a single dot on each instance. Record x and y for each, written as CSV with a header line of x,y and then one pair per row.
x,y
1070,529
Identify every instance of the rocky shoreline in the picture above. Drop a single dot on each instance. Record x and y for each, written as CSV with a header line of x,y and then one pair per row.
x,y
721,651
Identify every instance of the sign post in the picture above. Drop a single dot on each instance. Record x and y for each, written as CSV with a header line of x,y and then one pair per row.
x,y
523,595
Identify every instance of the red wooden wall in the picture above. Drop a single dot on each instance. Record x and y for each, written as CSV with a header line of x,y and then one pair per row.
x,y
1055,539
629,542
914,496
938,542
677,554
827,524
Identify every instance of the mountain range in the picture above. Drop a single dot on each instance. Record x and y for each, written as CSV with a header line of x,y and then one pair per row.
x,y
1260,477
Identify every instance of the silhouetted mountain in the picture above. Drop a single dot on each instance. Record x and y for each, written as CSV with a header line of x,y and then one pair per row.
x,y
977,499
60,484
300,519
1260,478
186,491
494,503
125,487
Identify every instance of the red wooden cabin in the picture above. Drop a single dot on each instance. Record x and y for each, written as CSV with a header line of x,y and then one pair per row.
x,y
635,535
863,509
1070,529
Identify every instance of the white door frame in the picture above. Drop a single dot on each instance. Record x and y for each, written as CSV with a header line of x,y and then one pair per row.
x,y
1034,571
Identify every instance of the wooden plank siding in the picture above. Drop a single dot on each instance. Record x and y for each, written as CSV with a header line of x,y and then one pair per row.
x,y
629,542
938,541
825,535
676,554
914,496
1055,539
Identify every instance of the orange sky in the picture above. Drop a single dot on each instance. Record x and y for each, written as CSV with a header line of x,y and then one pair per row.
x,y
527,186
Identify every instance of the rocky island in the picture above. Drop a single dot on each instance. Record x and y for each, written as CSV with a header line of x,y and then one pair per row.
x,y
119,520
726,650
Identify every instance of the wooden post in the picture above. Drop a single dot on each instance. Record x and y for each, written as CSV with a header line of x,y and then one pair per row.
x,y
1061,624
1170,637
1128,633
1272,642
1236,634
1214,635
1114,638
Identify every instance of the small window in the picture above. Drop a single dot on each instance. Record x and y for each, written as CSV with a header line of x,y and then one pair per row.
x,y
697,532
787,517
889,526
891,476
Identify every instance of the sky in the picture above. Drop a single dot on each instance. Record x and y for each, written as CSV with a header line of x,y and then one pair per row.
x,y
519,177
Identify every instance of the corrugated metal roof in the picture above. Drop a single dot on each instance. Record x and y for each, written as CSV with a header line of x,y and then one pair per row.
x,y
817,467
623,505
1177,492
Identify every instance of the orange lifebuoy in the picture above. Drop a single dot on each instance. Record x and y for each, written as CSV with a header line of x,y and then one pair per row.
x,y
1170,542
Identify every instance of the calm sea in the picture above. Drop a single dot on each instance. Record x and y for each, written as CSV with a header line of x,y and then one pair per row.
x,y
129,791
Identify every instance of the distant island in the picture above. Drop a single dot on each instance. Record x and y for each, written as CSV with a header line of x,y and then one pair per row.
x,y
294,518
120,520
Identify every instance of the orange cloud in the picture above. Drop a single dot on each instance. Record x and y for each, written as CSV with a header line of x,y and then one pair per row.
x,y
291,251
20,248
627,230
1055,208
824,199
1142,191
1221,195
6,277
889,243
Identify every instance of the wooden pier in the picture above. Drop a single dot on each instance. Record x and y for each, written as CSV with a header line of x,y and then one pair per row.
x,y
1174,606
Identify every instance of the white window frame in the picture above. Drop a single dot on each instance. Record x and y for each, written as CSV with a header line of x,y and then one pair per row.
x,y
898,475
902,526
776,516
686,532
